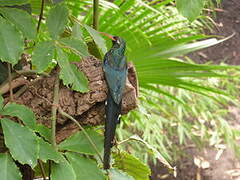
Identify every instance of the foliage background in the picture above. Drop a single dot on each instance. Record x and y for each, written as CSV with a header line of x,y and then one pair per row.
x,y
180,101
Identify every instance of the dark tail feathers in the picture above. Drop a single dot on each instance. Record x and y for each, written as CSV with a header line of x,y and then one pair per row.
x,y
113,111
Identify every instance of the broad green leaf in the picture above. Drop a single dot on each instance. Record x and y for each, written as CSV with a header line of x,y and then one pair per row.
x,y
47,152
22,112
35,6
79,143
70,75
97,38
57,20
8,169
187,48
62,171
12,2
190,9
76,45
131,165
115,174
44,132
11,45
43,55
23,21
21,141
77,31
84,168
157,52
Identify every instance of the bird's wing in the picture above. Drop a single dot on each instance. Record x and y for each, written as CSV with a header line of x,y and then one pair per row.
x,y
116,80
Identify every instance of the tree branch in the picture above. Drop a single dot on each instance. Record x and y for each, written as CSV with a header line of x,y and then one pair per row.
x,y
10,81
83,130
54,111
40,16
95,14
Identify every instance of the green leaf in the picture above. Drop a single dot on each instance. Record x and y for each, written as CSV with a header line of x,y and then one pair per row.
x,y
70,75
12,2
76,45
47,152
77,31
23,21
79,143
22,112
97,38
155,152
8,169
84,168
190,9
116,174
11,45
57,20
21,141
35,6
44,132
131,165
62,171
43,55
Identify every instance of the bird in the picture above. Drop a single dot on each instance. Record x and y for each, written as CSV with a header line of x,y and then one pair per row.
x,y
115,71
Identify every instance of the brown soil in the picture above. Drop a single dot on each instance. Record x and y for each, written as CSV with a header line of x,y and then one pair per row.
x,y
227,23
227,167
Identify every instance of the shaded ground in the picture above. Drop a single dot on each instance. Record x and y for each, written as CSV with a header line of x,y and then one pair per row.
x,y
210,164
228,23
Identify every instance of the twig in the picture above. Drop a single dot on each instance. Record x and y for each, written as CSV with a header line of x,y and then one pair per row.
x,y
42,169
25,87
54,111
82,129
31,72
10,81
49,169
215,9
20,91
40,16
4,88
95,14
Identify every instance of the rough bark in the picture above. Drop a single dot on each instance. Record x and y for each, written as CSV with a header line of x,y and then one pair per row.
x,y
88,108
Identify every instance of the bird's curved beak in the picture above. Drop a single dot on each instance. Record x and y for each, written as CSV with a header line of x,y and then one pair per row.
x,y
108,35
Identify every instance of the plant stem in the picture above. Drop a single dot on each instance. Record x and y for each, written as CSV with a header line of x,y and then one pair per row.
x,y
31,72
95,14
10,81
42,169
83,130
49,169
54,111
40,16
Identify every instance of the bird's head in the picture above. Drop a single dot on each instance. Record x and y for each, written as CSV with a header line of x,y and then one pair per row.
x,y
117,41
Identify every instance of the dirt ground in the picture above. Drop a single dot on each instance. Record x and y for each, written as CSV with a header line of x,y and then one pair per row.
x,y
227,23
211,164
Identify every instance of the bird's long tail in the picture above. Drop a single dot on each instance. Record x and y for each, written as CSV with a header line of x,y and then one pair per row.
x,y
112,114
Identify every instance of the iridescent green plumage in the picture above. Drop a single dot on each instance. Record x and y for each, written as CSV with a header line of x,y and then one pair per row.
x,y
115,69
